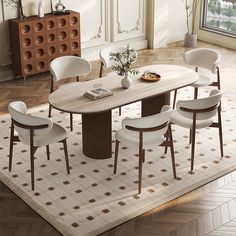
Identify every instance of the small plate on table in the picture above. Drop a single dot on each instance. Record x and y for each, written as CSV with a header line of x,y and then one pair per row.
x,y
150,76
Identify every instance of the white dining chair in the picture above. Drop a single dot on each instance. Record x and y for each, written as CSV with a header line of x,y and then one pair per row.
x,y
146,132
106,63
35,132
66,67
198,114
203,58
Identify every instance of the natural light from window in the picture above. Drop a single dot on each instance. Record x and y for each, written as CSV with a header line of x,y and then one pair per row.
x,y
220,15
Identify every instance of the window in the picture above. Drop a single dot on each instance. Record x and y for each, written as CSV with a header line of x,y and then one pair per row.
x,y
219,16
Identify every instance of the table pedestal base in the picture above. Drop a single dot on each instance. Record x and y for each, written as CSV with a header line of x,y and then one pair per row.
x,y
97,127
153,105
97,135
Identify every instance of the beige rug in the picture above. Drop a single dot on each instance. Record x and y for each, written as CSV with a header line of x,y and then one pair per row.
x,y
91,199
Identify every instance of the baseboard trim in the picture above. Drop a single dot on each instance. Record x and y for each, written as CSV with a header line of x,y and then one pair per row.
x,y
92,53
6,73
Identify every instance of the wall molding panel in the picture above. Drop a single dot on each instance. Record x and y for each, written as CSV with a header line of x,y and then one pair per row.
x,y
93,26
129,19
103,22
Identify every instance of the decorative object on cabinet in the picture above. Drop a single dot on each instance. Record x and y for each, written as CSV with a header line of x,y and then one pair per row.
x,y
16,4
60,9
40,9
35,42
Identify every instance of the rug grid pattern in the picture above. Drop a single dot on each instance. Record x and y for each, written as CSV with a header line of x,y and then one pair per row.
x,y
91,199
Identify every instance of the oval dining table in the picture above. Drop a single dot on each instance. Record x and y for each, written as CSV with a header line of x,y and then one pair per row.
x,y
97,115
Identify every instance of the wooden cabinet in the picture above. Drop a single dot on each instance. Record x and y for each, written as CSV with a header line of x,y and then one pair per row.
x,y
36,41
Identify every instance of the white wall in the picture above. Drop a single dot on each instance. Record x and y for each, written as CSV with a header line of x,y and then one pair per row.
x,y
176,21
169,22
103,22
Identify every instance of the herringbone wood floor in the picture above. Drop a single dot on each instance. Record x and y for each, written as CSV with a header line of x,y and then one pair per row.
x,y
200,212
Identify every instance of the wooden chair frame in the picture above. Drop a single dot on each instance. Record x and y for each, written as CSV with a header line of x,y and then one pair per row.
x,y
193,130
33,149
215,83
100,76
166,143
50,107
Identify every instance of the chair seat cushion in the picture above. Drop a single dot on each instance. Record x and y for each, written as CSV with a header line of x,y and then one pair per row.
x,y
178,119
56,134
150,140
204,80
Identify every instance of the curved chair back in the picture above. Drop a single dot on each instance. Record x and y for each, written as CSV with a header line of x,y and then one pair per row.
x,y
23,121
105,55
68,66
154,126
205,108
203,57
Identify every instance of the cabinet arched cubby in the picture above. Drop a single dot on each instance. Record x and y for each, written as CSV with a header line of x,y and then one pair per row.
x,y
35,41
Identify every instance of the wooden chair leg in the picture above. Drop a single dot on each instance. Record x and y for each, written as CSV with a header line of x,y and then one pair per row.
x,y
174,100
220,132
190,136
66,156
140,170
195,92
77,78
218,78
143,155
101,69
193,148
48,152
172,152
116,156
11,147
50,111
119,111
32,151
71,122
167,139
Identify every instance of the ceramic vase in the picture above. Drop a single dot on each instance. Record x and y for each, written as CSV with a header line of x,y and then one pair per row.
x,y
126,82
190,40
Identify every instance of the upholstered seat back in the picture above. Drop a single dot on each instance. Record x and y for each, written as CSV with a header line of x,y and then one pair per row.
x,y
149,122
18,112
203,57
69,66
206,108
105,55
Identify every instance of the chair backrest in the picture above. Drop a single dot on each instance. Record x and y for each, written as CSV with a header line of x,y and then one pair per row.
x,y
156,125
18,112
205,108
68,66
105,55
203,57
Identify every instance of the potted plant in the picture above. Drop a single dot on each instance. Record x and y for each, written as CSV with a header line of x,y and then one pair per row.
x,y
122,65
15,4
190,39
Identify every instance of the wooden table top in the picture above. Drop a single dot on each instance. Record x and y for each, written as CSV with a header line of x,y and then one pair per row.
x,y
70,97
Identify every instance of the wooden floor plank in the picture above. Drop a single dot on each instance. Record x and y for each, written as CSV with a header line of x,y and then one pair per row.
x,y
187,215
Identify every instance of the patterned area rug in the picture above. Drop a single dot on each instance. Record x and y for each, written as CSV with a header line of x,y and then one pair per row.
x,y
91,199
